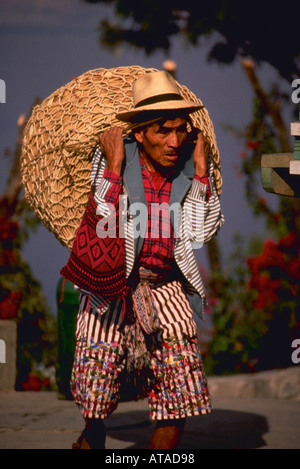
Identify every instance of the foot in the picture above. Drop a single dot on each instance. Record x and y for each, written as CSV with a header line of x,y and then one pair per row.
x,y
92,437
82,442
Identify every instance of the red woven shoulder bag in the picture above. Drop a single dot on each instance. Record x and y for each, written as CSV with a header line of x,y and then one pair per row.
x,y
96,264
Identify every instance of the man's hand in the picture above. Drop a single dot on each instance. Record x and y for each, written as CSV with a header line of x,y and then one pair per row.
x,y
201,154
112,146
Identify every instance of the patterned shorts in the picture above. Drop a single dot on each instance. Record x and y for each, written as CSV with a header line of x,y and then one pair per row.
x,y
113,355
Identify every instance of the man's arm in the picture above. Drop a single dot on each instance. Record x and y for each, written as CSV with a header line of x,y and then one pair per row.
x,y
106,169
112,146
202,202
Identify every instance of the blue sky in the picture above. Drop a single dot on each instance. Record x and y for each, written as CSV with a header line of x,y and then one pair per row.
x,y
45,43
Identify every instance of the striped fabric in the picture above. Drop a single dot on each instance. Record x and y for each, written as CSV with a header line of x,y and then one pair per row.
x,y
166,367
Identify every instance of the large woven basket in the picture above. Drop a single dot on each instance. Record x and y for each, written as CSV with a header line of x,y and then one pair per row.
x,y
59,137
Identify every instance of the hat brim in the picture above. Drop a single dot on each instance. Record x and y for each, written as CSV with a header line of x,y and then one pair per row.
x,y
188,106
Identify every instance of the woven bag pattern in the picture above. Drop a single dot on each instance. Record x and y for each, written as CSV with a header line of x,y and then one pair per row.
x,y
61,133
96,264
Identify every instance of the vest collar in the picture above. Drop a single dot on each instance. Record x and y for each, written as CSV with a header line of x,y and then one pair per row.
x,y
133,182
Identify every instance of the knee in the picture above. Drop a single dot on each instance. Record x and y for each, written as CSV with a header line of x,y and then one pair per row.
x,y
179,423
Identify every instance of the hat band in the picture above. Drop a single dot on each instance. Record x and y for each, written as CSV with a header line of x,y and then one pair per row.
x,y
158,99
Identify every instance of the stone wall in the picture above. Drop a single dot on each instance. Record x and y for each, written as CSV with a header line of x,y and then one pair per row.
x,y
274,384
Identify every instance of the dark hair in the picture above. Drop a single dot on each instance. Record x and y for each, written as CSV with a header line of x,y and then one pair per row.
x,y
148,118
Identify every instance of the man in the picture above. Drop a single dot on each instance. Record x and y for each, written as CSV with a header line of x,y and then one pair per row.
x,y
163,175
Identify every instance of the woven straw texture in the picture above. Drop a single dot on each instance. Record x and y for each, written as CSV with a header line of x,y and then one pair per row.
x,y
62,131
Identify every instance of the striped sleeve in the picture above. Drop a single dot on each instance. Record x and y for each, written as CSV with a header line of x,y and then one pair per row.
x,y
100,183
203,214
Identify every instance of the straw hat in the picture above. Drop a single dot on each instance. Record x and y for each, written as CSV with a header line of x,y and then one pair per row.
x,y
61,133
156,91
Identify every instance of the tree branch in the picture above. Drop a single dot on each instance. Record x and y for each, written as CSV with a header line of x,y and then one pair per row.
x,y
273,111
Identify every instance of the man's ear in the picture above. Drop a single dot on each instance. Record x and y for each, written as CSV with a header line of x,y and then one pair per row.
x,y
139,135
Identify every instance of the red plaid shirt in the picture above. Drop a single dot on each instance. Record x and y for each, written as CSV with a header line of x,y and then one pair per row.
x,y
158,246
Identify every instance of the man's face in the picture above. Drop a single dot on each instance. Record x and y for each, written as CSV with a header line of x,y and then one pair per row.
x,y
162,143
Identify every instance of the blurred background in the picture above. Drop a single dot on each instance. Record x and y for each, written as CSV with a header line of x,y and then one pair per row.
x,y
240,60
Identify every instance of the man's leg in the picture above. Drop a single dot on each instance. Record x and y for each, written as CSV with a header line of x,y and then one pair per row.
x,y
98,364
179,388
167,434
93,435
